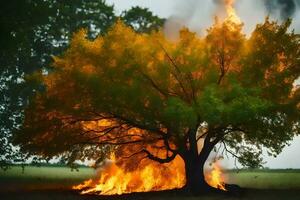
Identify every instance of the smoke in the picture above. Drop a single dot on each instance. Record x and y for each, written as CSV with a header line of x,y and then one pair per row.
x,y
198,15
284,8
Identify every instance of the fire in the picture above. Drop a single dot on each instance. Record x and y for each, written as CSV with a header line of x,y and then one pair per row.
x,y
149,176
231,13
215,177
123,174
114,179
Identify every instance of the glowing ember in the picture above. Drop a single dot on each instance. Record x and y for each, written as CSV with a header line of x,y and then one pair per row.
x,y
231,13
215,177
149,176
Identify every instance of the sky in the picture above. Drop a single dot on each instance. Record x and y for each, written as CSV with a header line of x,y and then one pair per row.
x,y
198,15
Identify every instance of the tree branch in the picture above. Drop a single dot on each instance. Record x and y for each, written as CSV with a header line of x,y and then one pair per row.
x,y
202,136
154,85
230,152
177,70
160,160
140,126
109,130
116,143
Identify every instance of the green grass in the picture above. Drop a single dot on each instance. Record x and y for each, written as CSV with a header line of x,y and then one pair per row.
x,y
42,177
266,179
48,173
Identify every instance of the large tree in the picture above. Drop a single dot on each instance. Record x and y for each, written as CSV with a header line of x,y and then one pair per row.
x,y
141,95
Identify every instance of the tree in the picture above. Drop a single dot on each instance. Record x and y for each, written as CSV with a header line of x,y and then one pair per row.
x,y
140,95
17,19
142,20
31,33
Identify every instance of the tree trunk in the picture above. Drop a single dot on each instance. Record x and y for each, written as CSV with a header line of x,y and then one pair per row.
x,y
195,179
194,169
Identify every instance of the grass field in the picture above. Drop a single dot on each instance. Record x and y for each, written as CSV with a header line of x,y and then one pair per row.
x,y
266,179
55,183
33,178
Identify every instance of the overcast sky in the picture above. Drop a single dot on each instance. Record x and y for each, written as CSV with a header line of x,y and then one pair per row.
x,y
198,15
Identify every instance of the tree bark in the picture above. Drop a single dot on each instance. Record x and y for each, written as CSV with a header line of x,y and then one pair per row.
x,y
195,179
194,167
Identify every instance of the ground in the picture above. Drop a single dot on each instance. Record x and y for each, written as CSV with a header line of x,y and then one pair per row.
x,y
54,183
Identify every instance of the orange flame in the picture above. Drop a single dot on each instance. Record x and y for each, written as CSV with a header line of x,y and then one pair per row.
x,y
215,177
137,174
114,180
148,177
231,13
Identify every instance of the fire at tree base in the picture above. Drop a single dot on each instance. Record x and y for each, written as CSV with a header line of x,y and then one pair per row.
x,y
112,179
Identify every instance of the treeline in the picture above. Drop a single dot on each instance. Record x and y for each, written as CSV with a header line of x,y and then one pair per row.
x,y
286,170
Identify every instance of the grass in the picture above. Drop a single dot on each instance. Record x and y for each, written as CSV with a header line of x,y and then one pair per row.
x,y
47,173
266,179
55,183
33,178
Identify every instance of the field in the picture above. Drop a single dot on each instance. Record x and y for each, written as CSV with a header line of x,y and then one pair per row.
x,y
34,178
55,183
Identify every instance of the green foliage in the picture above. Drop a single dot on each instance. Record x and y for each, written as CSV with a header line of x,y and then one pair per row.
x,y
142,20
211,105
179,114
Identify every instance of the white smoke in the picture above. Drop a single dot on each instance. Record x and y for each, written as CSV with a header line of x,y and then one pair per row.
x,y
198,15
296,20
251,12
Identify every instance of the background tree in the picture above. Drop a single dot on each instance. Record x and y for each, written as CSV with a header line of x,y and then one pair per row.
x,y
17,35
143,96
142,20
31,33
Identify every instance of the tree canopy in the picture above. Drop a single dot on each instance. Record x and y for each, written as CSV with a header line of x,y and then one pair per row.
x,y
127,92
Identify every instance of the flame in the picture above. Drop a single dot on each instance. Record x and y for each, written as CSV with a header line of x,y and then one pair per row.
x,y
149,176
231,13
137,174
215,177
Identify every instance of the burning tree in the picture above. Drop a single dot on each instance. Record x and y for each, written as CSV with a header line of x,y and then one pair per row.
x,y
149,100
